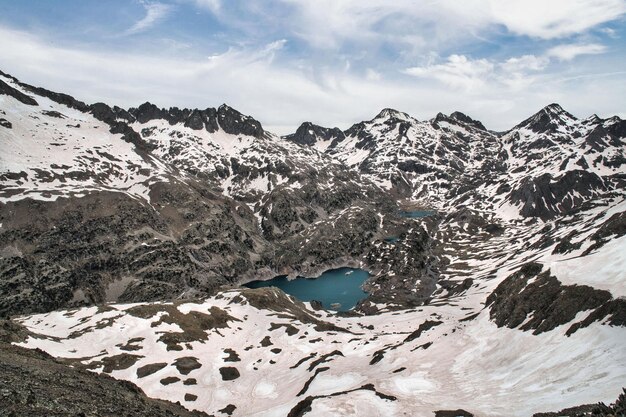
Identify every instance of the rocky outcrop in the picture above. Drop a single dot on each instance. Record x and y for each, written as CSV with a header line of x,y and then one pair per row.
x,y
33,383
546,196
18,95
537,301
309,134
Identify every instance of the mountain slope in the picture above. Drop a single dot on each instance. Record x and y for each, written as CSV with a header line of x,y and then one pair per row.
x,y
102,204
497,259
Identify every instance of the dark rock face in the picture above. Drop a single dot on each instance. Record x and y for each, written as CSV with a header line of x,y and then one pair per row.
x,y
104,113
149,369
545,196
457,117
613,228
129,135
229,373
453,413
235,123
467,120
60,98
34,384
547,119
308,134
80,249
187,364
195,120
229,409
225,117
427,325
16,94
5,123
550,303
146,112
304,406
615,310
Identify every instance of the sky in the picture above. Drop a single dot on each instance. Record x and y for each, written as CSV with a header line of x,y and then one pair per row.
x,y
330,62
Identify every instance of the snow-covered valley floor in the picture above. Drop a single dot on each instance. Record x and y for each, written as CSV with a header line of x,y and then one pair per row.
x,y
270,355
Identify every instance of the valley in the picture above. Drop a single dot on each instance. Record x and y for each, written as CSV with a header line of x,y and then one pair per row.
x,y
489,266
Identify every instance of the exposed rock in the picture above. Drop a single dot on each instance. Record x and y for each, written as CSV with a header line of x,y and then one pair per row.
x,y
530,291
146,370
453,413
229,373
544,196
35,384
16,94
309,134
169,380
186,364
229,409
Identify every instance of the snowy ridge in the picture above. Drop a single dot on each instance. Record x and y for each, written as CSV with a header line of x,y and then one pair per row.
x,y
454,158
53,150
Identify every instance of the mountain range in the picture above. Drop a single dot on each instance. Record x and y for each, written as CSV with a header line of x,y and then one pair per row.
x,y
126,235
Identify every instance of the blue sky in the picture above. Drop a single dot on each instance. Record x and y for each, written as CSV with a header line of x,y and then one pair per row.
x,y
332,62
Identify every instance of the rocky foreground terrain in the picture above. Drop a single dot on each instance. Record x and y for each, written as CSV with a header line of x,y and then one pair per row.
x,y
125,235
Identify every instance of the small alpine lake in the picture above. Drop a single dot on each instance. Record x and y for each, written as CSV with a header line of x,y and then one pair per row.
x,y
337,289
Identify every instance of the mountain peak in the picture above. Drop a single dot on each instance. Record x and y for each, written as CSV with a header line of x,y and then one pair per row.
x,y
548,119
457,115
388,113
554,108
309,134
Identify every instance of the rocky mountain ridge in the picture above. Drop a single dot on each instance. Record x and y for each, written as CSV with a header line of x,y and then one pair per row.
x,y
491,304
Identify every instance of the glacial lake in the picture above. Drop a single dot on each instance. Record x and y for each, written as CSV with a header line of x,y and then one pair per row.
x,y
336,286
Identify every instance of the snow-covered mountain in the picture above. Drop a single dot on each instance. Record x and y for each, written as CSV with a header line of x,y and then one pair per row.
x,y
548,164
507,300
118,199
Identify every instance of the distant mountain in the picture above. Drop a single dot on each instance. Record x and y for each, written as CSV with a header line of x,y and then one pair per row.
x,y
454,158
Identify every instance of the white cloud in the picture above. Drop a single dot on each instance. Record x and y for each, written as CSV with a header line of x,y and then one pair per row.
x,y
418,24
282,94
457,71
554,18
571,51
155,13
525,63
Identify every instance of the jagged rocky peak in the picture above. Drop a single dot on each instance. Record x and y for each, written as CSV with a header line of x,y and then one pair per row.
x,y
107,114
615,126
388,113
309,134
234,122
548,119
18,95
458,117
593,119
224,117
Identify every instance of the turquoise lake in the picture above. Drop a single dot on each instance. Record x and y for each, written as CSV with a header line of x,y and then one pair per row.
x,y
336,286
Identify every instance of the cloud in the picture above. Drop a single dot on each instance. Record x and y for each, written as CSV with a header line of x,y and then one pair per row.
x,y
549,19
282,93
457,71
155,13
525,63
411,24
571,51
